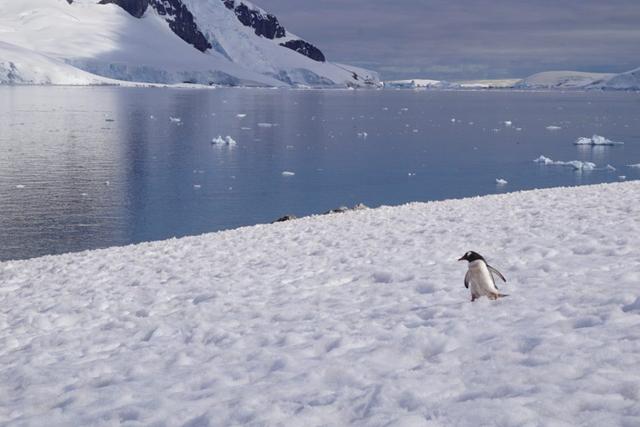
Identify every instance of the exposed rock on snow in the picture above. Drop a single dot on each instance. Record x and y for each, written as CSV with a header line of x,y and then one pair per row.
x,y
343,209
357,319
285,218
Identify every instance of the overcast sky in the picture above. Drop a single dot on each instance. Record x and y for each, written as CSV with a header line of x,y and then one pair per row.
x,y
462,39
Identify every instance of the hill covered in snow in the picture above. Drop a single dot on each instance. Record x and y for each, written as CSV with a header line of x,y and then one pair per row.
x,y
221,42
562,80
358,319
547,80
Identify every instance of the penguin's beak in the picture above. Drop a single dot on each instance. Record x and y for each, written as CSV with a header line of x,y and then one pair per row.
x,y
461,259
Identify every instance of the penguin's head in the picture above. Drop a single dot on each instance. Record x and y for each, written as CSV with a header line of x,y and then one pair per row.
x,y
471,256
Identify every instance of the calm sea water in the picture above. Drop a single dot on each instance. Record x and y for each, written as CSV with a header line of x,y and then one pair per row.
x,y
84,168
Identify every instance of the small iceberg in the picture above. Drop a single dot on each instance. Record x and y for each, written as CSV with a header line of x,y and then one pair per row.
x,y
175,119
288,173
241,116
508,123
223,141
577,165
266,125
596,140
636,166
363,135
553,128
501,181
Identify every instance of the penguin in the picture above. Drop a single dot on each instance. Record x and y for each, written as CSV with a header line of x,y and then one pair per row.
x,y
480,277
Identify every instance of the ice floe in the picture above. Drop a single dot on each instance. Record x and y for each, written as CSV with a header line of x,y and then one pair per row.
x,y
219,140
596,140
575,164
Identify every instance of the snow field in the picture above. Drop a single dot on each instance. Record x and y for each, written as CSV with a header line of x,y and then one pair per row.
x,y
358,318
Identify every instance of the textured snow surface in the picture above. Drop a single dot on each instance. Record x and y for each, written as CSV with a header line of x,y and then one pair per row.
x,y
358,318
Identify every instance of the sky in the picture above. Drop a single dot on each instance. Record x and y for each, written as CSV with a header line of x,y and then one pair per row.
x,y
468,39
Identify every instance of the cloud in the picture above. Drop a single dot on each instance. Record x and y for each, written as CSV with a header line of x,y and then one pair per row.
x,y
469,38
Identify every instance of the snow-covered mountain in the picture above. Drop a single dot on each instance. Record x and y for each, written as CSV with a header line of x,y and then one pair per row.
x,y
228,42
562,80
623,81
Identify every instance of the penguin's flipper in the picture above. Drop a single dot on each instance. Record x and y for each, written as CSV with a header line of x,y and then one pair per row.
x,y
466,280
496,272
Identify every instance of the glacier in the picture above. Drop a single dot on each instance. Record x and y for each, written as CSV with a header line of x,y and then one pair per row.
x,y
206,42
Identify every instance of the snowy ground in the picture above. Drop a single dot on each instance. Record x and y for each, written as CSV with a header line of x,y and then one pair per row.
x,y
352,319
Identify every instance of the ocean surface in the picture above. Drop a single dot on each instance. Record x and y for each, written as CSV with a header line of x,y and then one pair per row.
x,y
86,168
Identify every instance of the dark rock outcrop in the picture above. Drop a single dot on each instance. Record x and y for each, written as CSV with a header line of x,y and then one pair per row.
x,y
285,218
135,8
306,49
265,25
182,22
180,19
268,26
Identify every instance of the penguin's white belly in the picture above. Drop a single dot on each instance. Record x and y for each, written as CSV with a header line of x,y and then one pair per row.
x,y
481,281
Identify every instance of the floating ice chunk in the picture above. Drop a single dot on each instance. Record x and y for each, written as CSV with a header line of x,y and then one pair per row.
x,y
596,140
622,177
610,168
508,123
411,174
288,173
453,120
266,125
241,116
152,117
544,160
578,165
363,135
553,128
637,166
575,164
519,129
197,186
500,181
223,141
20,186
175,119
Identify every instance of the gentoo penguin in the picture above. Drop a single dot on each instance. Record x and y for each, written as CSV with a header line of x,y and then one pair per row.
x,y
480,277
